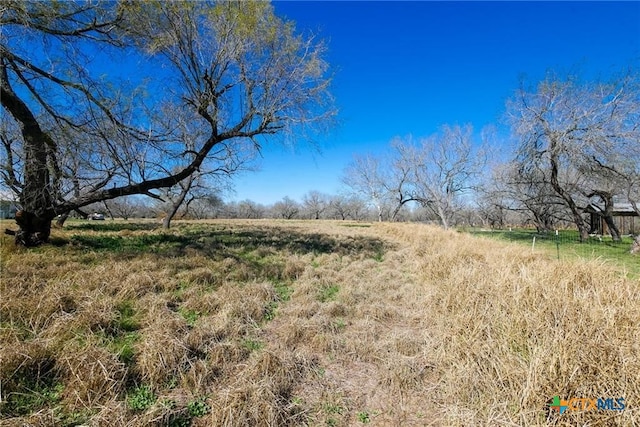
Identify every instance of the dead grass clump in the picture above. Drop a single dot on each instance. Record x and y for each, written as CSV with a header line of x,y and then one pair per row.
x,y
533,330
293,268
26,365
250,302
92,375
161,354
203,276
260,395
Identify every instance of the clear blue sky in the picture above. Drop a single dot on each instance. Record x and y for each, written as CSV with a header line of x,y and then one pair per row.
x,y
409,67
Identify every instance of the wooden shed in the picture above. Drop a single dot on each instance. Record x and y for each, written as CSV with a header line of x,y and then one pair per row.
x,y
624,216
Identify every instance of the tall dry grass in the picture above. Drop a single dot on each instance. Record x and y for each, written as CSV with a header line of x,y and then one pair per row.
x,y
309,323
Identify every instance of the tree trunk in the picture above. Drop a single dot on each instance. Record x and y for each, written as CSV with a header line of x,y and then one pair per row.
x,y
173,210
608,216
635,247
61,220
37,203
34,230
583,227
613,228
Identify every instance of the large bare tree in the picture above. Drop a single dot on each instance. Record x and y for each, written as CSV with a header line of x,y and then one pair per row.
x,y
382,180
583,135
96,89
442,168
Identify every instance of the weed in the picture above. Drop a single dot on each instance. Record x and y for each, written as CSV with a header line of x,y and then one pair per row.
x,y
198,407
328,293
339,325
141,398
191,316
333,408
252,345
363,417
270,311
31,399
283,290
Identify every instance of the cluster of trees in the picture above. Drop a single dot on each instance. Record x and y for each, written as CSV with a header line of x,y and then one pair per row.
x,y
314,205
212,81
574,144
438,173
577,143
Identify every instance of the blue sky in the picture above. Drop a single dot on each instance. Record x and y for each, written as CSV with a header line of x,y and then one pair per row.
x,y
409,67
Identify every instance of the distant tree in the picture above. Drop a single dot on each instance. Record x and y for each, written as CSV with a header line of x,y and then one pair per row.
x,y
442,168
338,207
315,204
250,209
345,206
383,181
365,176
123,207
88,134
286,208
205,204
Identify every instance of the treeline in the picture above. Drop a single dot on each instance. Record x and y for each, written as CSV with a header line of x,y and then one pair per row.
x,y
314,205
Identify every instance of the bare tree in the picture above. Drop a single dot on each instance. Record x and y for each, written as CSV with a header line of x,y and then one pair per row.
x,y
203,204
577,133
286,208
89,134
365,177
442,168
527,191
315,204
123,207
250,209
382,180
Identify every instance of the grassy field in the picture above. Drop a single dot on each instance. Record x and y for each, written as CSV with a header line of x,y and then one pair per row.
x,y
566,245
276,323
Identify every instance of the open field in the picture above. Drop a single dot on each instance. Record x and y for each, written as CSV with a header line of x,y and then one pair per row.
x,y
269,323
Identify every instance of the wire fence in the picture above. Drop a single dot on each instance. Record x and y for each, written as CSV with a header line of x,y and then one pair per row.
x,y
566,244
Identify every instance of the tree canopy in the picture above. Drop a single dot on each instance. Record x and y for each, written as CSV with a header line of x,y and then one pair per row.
x,y
109,99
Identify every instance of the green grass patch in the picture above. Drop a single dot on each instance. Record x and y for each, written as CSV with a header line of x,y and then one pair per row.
x,y
328,293
127,320
124,346
252,344
191,316
31,398
283,290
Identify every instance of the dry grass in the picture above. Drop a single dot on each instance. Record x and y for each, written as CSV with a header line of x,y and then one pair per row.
x,y
270,323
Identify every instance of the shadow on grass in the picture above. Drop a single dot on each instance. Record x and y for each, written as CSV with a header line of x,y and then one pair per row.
x,y
222,242
103,226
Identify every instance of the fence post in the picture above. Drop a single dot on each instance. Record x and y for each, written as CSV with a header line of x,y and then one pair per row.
x,y
558,243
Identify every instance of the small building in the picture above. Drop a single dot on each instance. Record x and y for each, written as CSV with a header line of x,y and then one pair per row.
x,y
624,217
